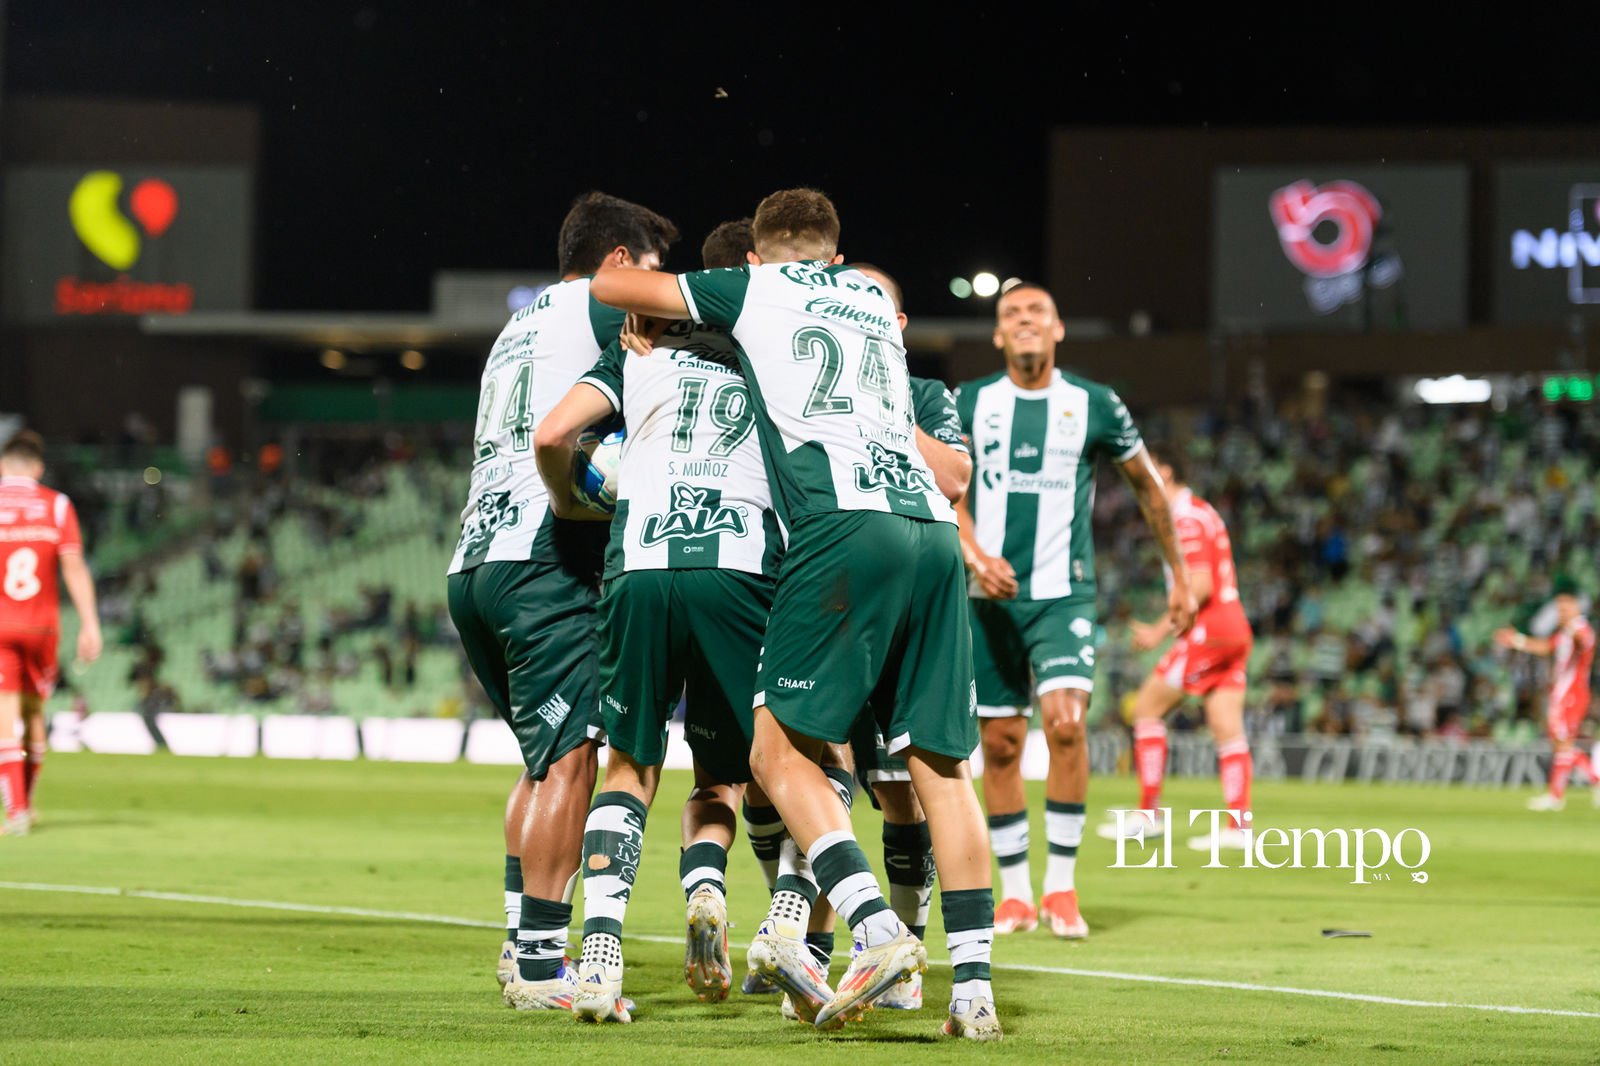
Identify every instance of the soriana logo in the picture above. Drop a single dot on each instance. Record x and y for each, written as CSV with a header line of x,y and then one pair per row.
x,y
96,211
1328,232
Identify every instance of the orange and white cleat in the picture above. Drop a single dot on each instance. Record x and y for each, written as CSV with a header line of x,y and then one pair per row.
x,y
1060,909
1015,915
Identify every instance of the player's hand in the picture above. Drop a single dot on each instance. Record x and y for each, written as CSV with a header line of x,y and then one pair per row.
x,y
640,333
89,643
1147,636
1181,607
995,576
1506,637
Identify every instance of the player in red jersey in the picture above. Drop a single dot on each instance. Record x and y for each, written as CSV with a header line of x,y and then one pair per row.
x,y
1571,650
38,531
1209,661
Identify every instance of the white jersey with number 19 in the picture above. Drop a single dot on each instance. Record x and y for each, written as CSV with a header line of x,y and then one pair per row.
x,y
826,366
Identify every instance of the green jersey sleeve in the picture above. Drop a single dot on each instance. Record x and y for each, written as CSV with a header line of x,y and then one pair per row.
x,y
606,374
935,413
966,400
1112,431
715,297
606,321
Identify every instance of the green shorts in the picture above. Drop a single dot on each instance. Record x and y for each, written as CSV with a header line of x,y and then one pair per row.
x,y
870,753
1019,646
868,601
529,633
696,633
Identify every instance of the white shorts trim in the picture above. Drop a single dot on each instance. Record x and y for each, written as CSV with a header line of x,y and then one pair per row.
x,y
1003,712
880,777
761,700
1081,684
898,744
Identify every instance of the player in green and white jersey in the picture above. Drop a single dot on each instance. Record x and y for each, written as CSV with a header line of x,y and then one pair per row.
x,y
689,576
1037,434
869,595
522,586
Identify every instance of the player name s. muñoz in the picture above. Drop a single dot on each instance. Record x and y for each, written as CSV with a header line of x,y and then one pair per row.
x,y
1354,846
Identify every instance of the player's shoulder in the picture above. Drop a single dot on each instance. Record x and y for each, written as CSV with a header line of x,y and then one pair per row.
x,y
976,385
1098,389
925,388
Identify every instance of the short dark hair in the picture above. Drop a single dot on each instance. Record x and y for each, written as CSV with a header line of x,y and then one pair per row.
x,y
25,445
1017,286
802,221
889,283
726,245
1179,463
598,223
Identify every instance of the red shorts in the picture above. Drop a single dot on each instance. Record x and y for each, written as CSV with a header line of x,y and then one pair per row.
x,y
1200,669
28,663
1563,719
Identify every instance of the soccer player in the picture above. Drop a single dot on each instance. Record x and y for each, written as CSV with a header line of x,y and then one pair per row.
x,y
1571,651
38,532
523,586
694,552
1037,434
1209,661
868,597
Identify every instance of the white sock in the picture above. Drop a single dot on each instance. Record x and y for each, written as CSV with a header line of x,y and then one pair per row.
x,y
970,990
1064,831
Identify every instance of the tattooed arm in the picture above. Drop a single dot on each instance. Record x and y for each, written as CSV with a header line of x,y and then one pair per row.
x,y
1147,486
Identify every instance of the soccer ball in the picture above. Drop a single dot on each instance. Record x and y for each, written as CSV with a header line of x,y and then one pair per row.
x,y
594,470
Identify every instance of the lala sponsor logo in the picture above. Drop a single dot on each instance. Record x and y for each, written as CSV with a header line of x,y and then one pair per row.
x,y
95,210
1364,852
695,512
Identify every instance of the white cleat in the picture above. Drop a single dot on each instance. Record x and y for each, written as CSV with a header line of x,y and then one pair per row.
x,y
973,1019
788,963
907,995
1544,801
554,994
873,971
1227,839
505,969
1132,822
17,825
597,992
706,965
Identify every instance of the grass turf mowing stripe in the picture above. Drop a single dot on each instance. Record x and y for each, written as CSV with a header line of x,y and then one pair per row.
x,y
1066,971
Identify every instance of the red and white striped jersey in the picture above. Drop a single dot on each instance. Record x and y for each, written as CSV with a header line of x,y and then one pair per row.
x,y
1205,544
37,526
1572,657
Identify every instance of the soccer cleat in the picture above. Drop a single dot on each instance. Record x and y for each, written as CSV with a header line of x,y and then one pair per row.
x,y
1154,828
1015,915
1544,801
1230,838
788,964
756,985
505,969
1061,910
705,955
597,992
973,1019
907,995
873,971
17,825
1594,797
554,994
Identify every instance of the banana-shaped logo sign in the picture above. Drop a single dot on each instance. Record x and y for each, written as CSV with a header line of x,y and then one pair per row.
x,y
105,230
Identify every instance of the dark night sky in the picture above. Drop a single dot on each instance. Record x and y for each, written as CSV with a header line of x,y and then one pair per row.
x,y
402,138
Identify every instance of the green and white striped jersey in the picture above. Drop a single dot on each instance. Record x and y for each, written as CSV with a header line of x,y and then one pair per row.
x,y
824,359
540,353
934,410
1034,454
692,488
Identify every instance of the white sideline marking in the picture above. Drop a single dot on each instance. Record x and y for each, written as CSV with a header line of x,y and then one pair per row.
x,y
1112,975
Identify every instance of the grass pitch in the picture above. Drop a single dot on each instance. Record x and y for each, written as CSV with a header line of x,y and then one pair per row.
x,y
1509,917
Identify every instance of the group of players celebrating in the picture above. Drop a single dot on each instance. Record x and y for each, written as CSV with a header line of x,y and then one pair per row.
x,y
842,571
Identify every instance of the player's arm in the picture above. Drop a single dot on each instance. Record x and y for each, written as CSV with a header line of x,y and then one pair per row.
x,y
1507,637
995,576
80,589
1148,489
556,439
952,467
641,292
